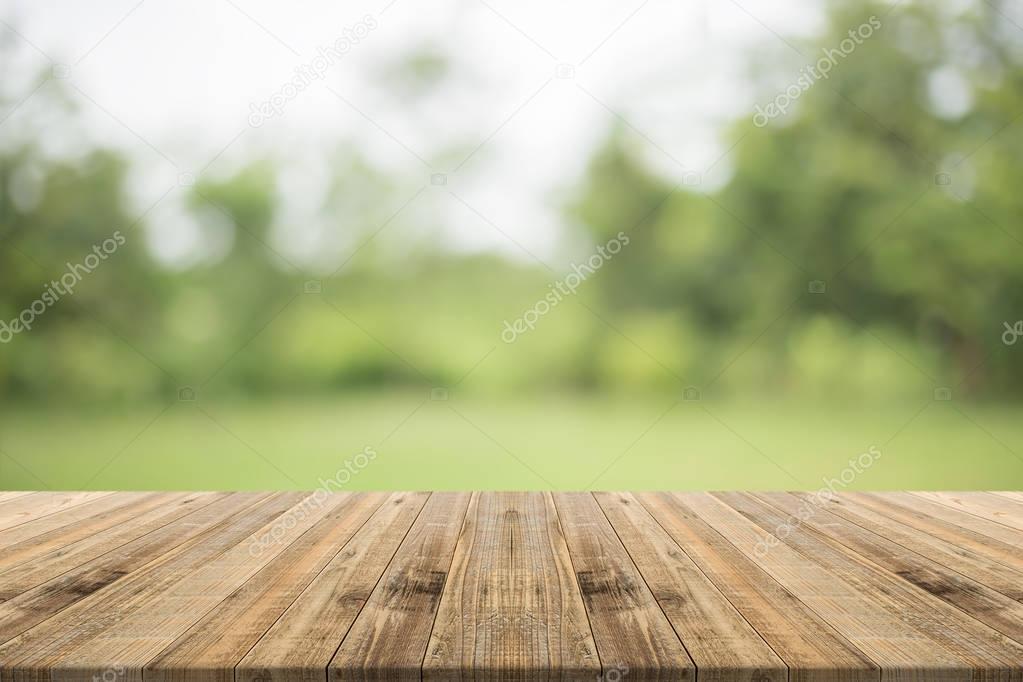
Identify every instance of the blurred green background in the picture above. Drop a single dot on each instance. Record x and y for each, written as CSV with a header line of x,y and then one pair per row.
x,y
854,282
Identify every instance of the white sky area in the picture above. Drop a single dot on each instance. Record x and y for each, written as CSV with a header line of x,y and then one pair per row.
x,y
171,84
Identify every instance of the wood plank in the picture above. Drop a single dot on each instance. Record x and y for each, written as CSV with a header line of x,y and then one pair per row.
x,y
993,608
1000,510
40,537
35,527
150,625
302,642
901,650
511,606
973,534
298,587
211,649
25,508
722,644
1011,494
984,650
389,638
632,634
1007,581
12,494
97,600
143,538
812,649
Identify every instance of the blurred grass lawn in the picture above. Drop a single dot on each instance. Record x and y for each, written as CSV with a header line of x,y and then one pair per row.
x,y
568,442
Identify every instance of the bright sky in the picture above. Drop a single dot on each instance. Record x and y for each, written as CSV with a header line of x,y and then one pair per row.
x,y
537,84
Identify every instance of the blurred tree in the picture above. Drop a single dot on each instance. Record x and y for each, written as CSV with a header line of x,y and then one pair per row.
x,y
895,181
906,209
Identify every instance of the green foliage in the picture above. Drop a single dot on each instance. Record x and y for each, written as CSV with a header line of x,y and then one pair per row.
x,y
847,188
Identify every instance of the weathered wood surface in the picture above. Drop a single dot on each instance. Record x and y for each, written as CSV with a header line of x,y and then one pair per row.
x,y
446,587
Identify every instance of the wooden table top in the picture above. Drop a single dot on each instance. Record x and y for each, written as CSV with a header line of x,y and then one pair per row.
x,y
615,587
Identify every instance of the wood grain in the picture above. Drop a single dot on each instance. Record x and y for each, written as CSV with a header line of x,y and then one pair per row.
x,y
47,534
632,633
302,642
389,638
979,646
35,590
150,625
1008,581
897,647
810,647
975,536
97,599
999,611
510,587
210,649
42,524
722,644
1012,495
23,508
11,494
954,516
512,606
997,509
